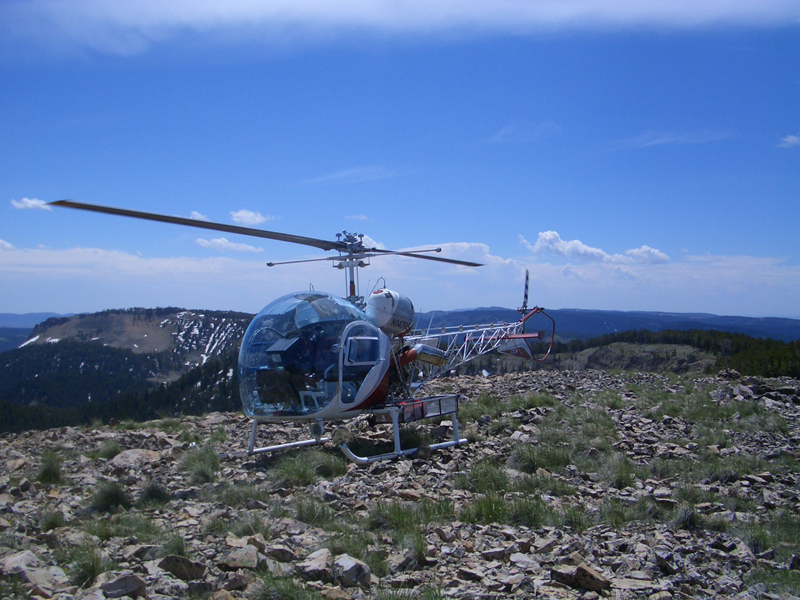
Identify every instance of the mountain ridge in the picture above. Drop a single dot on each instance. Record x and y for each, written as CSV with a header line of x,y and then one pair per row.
x,y
576,323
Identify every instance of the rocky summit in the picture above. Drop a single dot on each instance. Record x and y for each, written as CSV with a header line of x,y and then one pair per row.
x,y
575,485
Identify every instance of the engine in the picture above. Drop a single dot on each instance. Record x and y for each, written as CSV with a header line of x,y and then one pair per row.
x,y
391,312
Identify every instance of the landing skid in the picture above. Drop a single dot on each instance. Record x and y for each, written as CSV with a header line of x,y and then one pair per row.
x,y
405,412
317,428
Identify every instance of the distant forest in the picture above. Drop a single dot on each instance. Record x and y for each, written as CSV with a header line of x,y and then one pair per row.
x,y
203,389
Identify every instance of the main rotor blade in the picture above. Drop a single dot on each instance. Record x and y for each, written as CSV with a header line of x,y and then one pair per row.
x,y
416,254
261,233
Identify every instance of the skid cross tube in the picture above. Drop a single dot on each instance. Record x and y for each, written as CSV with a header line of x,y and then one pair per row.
x,y
395,412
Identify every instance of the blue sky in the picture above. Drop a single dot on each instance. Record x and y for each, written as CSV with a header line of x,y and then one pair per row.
x,y
632,155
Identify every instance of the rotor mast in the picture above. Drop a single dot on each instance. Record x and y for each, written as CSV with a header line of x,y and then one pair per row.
x,y
351,258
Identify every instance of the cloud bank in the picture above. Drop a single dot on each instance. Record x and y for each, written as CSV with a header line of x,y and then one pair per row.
x,y
87,279
130,27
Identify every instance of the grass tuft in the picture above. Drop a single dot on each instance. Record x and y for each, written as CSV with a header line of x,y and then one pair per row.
x,y
51,519
307,467
237,495
50,469
483,477
202,464
687,518
109,496
175,545
154,494
110,448
84,563
314,513
283,588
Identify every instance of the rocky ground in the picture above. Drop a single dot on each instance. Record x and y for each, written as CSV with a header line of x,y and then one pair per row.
x,y
575,484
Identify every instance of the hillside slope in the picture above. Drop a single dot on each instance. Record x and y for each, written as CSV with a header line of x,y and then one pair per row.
x,y
192,335
575,485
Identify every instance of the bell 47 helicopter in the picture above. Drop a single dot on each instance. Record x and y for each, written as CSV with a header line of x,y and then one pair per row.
x,y
317,358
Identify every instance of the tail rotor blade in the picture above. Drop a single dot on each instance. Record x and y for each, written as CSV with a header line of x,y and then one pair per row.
x,y
524,308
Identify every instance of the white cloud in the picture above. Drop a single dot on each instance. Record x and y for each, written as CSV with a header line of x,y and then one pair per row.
x,y
550,242
357,218
524,131
224,245
249,217
790,141
131,27
30,203
652,139
198,216
353,175
371,243
4,245
648,255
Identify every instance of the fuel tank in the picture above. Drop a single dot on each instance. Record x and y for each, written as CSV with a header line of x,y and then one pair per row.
x,y
391,312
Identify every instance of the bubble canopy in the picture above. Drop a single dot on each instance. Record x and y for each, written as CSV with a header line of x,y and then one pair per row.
x,y
307,352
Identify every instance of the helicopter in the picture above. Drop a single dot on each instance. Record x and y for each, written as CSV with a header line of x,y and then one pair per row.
x,y
317,358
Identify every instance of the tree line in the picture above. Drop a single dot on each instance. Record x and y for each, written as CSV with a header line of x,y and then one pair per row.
x,y
748,355
210,387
